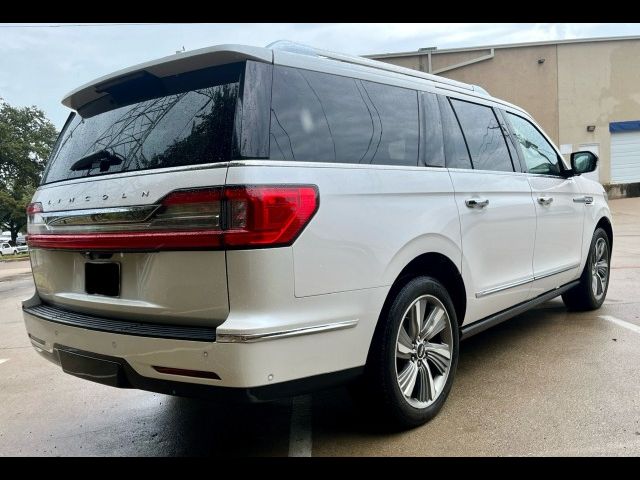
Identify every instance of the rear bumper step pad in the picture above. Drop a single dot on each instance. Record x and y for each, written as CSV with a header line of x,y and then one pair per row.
x,y
123,327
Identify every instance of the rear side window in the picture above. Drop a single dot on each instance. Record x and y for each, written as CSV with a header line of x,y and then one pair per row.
x,y
539,155
455,148
328,118
483,133
190,121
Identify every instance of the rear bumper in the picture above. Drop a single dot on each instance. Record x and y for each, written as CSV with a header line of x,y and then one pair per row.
x,y
251,371
117,372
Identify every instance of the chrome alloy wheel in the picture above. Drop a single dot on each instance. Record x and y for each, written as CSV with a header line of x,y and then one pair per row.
x,y
599,268
424,345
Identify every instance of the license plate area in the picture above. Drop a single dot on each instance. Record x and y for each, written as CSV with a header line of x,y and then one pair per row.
x,y
102,278
91,368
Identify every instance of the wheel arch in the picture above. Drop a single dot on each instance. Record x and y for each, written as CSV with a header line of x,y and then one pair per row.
x,y
605,224
438,266
435,265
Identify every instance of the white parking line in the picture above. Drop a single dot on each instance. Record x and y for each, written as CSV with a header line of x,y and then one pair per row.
x,y
2,360
300,433
621,323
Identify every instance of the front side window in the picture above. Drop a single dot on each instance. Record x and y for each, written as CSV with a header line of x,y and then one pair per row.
x,y
320,117
539,155
484,136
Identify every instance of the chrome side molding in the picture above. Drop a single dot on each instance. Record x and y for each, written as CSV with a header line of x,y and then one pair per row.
x,y
524,281
293,332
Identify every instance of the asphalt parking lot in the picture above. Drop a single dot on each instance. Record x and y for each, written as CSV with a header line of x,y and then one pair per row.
x,y
547,382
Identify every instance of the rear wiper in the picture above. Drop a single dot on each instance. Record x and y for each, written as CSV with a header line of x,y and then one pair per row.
x,y
102,158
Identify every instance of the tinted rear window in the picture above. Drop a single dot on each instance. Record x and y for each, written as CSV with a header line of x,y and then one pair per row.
x,y
328,118
190,121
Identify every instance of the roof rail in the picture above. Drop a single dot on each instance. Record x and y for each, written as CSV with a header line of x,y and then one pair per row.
x,y
301,49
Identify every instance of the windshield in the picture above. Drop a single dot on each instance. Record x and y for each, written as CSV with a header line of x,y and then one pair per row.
x,y
191,123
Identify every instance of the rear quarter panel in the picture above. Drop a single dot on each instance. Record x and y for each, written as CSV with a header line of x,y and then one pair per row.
x,y
372,221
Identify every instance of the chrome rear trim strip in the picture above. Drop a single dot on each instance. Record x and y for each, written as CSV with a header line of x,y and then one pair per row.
x,y
293,332
99,216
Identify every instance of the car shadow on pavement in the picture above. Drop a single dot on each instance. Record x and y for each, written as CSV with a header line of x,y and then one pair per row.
x,y
194,427
188,427
336,412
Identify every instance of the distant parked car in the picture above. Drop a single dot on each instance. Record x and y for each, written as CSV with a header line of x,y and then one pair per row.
x,y
7,249
22,248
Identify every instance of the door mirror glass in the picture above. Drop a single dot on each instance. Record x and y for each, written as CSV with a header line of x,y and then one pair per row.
x,y
583,162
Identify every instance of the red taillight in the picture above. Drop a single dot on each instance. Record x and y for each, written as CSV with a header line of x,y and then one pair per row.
x,y
123,241
267,216
182,197
231,217
187,373
34,219
34,208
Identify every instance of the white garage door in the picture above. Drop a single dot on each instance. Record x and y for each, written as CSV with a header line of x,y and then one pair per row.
x,y
625,157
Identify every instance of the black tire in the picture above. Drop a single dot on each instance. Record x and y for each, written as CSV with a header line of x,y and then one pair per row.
x,y
582,297
379,391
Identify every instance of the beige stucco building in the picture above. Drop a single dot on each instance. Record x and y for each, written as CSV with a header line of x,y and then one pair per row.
x,y
569,86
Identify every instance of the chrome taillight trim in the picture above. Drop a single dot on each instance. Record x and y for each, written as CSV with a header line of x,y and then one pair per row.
x,y
99,216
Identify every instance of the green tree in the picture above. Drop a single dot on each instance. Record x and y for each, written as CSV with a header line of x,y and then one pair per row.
x,y
26,139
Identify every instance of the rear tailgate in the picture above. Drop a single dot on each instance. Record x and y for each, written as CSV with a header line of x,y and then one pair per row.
x,y
183,285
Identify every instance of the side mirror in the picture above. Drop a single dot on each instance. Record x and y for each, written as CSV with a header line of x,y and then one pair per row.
x,y
583,162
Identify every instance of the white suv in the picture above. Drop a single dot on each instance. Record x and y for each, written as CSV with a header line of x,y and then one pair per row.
x,y
252,223
7,249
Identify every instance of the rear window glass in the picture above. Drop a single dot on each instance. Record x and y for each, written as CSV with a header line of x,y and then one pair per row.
x,y
190,123
328,118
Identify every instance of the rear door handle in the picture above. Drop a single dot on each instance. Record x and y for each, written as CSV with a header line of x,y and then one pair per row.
x,y
545,200
476,203
587,199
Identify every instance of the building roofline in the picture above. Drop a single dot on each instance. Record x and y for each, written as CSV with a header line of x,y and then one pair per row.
x,y
504,45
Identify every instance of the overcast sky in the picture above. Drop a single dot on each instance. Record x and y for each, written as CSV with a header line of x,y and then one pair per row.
x,y
40,64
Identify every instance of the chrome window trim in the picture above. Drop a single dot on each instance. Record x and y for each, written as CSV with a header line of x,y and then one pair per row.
x,y
134,173
548,175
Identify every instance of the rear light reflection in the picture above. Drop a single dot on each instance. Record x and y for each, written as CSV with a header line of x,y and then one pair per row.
x,y
187,373
34,218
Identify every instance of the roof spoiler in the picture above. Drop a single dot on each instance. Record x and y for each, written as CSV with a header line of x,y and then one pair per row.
x,y
167,66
